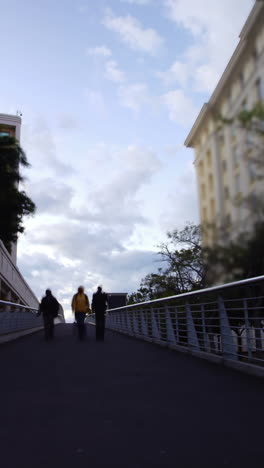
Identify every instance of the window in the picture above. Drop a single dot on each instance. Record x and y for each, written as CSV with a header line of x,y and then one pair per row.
x,y
255,55
203,191
224,165
226,193
252,171
244,104
201,169
259,89
208,158
3,134
237,183
241,79
212,207
204,214
235,156
211,182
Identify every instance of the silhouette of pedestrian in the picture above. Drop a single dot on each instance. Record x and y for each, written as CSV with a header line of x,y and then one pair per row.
x,y
80,307
99,306
49,308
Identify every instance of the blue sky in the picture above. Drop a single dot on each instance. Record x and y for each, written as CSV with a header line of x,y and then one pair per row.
x,y
108,91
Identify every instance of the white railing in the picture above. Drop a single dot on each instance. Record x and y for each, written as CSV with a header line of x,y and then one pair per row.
x,y
17,317
224,321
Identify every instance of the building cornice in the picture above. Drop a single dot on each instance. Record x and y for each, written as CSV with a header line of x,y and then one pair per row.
x,y
10,119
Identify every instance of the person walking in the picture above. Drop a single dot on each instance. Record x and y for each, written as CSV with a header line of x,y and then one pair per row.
x,y
99,306
49,308
80,307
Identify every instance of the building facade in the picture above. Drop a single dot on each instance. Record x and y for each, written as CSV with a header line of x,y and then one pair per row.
x,y
10,125
226,176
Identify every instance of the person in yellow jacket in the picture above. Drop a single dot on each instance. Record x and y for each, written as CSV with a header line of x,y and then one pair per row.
x,y
80,307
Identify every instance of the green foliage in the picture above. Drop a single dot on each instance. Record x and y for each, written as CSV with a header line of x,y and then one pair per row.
x,y
14,204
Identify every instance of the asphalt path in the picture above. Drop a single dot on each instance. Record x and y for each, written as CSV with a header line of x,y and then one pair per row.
x,y
123,403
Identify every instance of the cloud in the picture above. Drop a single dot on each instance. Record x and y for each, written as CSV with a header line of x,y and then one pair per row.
x,y
50,197
113,73
182,205
132,33
177,73
96,101
39,141
181,108
67,122
213,37
101,51
137,2
134,96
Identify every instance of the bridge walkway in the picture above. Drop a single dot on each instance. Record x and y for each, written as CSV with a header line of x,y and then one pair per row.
x,y
123,403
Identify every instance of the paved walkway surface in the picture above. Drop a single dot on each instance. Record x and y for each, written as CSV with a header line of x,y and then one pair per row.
x,y
123,403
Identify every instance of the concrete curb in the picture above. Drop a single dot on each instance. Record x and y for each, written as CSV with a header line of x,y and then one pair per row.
x,y
15,335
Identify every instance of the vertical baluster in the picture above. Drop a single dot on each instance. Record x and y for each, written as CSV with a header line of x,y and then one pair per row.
x,y
193,342
169,326
228,345
155,330
247,324
144,327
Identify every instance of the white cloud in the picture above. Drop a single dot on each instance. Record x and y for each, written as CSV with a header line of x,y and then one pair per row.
x,y
181,205
177,73
96,101
134,96
102,51
68,244
137,2
114,73
132,33
181,108
41,147
213,39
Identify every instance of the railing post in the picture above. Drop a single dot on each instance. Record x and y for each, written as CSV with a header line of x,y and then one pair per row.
x,y
193,342
169,326
155,330
247,324
144,327
204,337
228,345
128,321
135,322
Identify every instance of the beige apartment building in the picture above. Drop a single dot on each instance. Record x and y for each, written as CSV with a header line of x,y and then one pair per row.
x,y
10,125
226,175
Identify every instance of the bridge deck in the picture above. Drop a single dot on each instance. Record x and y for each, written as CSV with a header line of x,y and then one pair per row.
x,y
123,403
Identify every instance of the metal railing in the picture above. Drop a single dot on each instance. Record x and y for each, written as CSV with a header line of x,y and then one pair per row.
x,y
17,317
225,321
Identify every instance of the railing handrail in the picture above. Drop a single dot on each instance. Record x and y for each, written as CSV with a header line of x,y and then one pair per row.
x,y
218,287
17,305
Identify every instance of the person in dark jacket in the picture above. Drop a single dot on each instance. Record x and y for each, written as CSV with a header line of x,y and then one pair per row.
x,y
49,308
99,305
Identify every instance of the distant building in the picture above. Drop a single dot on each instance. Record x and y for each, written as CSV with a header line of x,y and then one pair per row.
x,y
224,176
10,125
117,300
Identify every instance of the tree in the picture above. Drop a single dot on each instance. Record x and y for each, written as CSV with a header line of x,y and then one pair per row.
x,y
14,204
184,255
185,268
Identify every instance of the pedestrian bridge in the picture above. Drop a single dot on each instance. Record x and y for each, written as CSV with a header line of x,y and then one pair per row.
x,y
143,397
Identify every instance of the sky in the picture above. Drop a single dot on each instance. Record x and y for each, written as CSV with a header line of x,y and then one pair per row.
x,y
109,90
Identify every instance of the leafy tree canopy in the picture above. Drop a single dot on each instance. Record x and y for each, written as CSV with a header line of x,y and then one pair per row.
x,y
14,204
